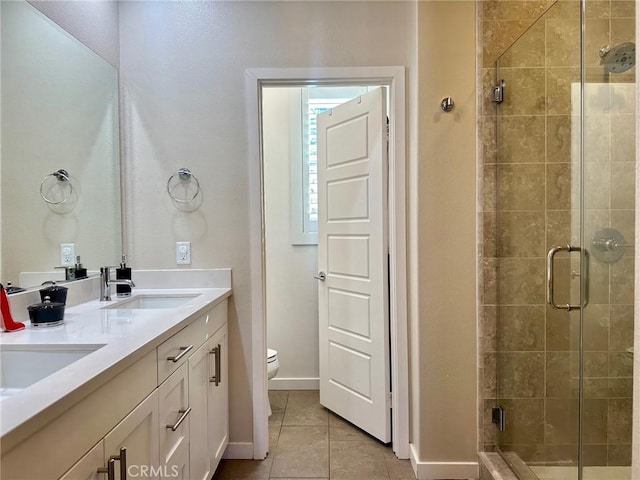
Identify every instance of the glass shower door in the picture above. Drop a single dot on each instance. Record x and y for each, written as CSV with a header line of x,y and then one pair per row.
x,y
608,229
563,230
538,208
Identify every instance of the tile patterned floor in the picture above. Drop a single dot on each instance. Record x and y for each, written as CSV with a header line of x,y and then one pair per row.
x,y
306,441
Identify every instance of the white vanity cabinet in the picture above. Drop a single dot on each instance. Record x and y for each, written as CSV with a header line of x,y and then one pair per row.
x,y
208,394
136,435
64,441
164,410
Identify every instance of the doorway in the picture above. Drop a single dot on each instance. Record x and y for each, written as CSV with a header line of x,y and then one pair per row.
x,y
337,186
290,178
393,78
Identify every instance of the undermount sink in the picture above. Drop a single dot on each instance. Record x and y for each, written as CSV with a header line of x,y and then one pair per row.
x,y
24,365
140,302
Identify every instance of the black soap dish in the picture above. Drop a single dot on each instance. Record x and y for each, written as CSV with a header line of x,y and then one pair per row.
x,y
46,314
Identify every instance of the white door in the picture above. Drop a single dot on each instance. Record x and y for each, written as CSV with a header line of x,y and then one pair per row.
x,y
352,257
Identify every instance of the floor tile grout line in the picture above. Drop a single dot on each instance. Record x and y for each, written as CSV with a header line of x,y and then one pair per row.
x,y
284,412
329,444
387,465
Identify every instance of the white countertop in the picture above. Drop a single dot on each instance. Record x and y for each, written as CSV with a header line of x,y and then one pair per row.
x,y
126,335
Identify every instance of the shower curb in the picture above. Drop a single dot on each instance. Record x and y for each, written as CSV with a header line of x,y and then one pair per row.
x,y
494,467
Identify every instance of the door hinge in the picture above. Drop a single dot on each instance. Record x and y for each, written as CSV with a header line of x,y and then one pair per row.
x,y
387,134
389,400
498,417
497,93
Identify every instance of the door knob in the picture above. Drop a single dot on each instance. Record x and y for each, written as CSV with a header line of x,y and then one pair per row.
x,y
320,276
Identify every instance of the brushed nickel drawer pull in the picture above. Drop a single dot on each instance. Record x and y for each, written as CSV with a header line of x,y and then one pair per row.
x,y
180,420
184,351
111,465
110,469
216,351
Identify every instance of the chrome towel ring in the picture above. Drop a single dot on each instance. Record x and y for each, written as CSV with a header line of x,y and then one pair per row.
x,y
62,176
182,176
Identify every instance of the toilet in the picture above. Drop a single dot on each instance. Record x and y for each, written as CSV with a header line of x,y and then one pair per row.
x,y
273,365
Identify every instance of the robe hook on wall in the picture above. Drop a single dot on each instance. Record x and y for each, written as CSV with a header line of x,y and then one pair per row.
x,y
447,104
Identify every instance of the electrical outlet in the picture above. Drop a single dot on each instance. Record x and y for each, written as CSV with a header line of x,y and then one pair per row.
x,y
183,253
67,254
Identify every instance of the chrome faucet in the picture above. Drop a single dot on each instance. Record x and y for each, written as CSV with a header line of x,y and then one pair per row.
x,y
106,282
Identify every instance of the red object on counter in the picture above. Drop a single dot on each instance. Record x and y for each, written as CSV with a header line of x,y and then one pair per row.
x,y
6,320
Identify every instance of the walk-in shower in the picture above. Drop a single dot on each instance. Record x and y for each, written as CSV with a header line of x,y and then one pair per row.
x,y
558,245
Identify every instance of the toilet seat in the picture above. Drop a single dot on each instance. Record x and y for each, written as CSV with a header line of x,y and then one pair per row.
x,y
272,355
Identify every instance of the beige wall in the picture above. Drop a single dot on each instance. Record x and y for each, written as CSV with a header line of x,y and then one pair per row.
x,y
182,73
444,368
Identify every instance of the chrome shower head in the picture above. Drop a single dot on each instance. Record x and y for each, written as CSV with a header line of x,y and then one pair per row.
x,y
619,58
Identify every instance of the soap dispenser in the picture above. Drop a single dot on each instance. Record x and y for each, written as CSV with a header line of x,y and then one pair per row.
x,y
80,271
123,273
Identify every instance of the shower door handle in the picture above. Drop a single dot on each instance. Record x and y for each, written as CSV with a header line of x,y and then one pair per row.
x,y
550,257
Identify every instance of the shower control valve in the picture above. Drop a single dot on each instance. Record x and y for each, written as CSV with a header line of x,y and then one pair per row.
x,y
608,245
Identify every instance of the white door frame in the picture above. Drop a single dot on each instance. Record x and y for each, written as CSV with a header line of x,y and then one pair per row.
x,y
394,78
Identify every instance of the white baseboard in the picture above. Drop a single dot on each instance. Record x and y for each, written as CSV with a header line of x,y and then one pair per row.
x,y
239,451
439,470
294,384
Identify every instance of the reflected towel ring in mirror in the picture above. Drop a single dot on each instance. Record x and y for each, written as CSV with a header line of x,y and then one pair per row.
x,y
62,176
182,176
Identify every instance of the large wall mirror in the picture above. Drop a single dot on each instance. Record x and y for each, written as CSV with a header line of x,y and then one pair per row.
x,y
59,105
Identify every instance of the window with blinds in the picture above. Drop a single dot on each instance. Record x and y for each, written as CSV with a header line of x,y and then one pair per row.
x,y
313,101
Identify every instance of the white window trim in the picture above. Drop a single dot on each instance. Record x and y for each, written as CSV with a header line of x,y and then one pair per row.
x,y
301,228
297,232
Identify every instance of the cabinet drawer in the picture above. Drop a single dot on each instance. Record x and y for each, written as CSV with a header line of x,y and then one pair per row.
x,y
175,351
216,318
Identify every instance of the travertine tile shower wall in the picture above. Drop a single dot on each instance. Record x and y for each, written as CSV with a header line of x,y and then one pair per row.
x,y
529,353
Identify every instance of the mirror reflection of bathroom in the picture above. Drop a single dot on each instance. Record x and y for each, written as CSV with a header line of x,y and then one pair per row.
x,y
290,216
57,90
